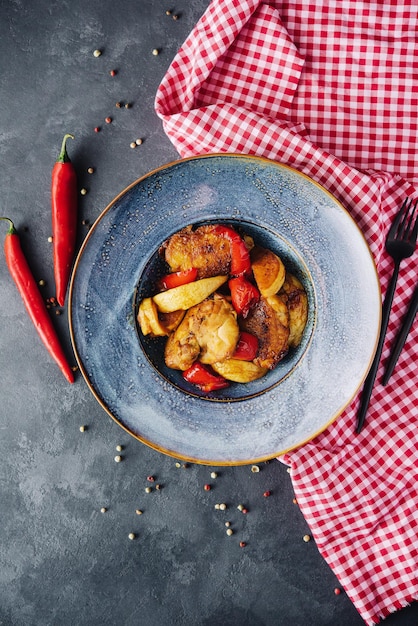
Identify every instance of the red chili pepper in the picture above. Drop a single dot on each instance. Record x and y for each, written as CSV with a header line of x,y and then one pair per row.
x,y
32,298
64,219
201,376
240,256
178,278
244,295
247,347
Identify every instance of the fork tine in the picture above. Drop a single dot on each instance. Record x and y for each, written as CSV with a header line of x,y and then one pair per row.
x,y
415,228
402,211
404,228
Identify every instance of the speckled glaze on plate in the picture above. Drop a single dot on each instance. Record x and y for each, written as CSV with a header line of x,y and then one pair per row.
x,y
293,215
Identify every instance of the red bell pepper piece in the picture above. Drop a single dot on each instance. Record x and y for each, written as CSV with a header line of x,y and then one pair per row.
x,y
240,256
202,376
33,300
244,295
64,219
247,347
175,279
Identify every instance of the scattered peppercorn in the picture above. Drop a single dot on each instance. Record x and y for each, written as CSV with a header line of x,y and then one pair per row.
x,y
118,458
50,239
148,489
168,12
83,191
178,464
294,501
214,475
119,448
175,17
240,507
138,142
83,429
255,469
103,509
41,283
138,512
223,506
306,538
90,170
155,52
227,524
97,53
229,532
132,144
132,536
57,312
158,487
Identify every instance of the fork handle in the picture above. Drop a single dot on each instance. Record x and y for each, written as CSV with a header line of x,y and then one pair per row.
x,y
371,376
401,338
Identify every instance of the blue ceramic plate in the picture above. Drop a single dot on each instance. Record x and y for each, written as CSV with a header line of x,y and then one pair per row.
x,y
284,211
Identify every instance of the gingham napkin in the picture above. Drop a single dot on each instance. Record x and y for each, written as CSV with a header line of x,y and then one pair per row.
x,y
331,89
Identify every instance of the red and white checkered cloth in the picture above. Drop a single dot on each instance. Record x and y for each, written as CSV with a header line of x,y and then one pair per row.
x,y
330,88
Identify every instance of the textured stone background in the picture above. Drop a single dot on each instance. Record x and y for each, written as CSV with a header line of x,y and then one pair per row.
x,y
62,561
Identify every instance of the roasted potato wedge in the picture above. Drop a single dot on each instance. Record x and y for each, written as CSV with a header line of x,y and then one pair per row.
x,y
148,319
294,295
171,320
239,371
186,296
268,269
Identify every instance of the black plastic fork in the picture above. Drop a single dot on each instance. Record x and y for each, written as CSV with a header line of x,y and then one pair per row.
x,y
400,244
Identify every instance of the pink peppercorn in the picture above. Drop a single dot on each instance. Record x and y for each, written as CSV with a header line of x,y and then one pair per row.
x,y
242,544
207,487
113,72
266,494
108,120
244,511
337,591
150,479
97,129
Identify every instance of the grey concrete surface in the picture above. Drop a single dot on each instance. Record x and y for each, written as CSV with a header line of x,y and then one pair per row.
x,y
62,561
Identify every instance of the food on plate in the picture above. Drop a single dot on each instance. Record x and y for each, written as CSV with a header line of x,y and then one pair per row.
x,y
268,320
268,269
199,248
229,308
239,371
185,296
209,332
294,295
148,319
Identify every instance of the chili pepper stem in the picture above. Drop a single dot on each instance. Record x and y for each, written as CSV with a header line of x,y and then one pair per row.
x,y
12,229
63,156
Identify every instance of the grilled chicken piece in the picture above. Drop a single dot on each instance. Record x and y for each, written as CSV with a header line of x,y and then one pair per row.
x,y
268,320
209,331
202,248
